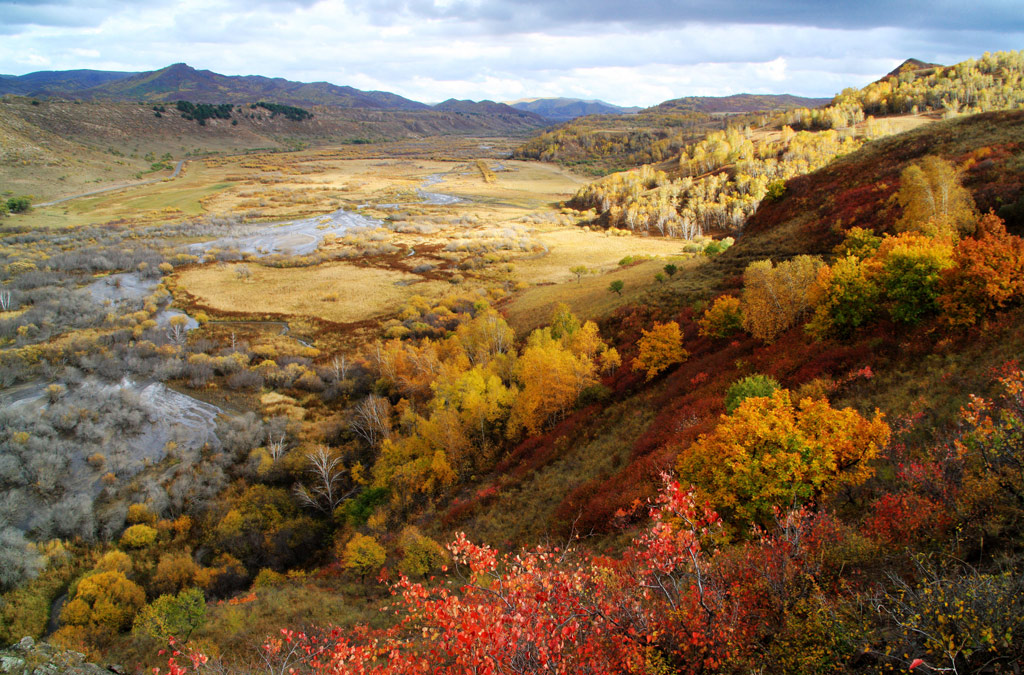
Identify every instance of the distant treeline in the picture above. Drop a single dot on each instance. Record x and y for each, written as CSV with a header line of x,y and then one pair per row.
x,y
293,113
204,111
201,112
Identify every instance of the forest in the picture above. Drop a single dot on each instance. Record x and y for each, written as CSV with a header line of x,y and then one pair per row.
x,y
787,436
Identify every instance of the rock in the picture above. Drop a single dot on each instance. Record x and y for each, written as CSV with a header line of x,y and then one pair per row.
x,y
30,658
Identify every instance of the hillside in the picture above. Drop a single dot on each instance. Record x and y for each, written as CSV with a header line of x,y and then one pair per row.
x,y
738,103
56,147
500,110
565,109
182,82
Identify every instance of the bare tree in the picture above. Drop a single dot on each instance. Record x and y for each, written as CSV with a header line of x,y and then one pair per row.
x,y
275,446
371,419
340,367
325,491
177,329
5,299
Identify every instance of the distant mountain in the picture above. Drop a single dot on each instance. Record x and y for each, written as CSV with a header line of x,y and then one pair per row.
x,y
738,103
489,108
57,82
182,82
565,109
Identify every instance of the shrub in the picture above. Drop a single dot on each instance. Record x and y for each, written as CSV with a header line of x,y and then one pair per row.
x,y
420,554
723,318
749,387
363,555
138,536
659,348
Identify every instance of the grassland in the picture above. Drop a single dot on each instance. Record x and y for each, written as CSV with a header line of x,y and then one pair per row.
x,y
338,292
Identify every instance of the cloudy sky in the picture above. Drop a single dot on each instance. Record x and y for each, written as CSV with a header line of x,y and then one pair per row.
x,y
629,52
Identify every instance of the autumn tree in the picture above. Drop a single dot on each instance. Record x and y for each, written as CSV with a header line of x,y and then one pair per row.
x,y
749,387
579,271
933,199
723,318
106,600
846,296
772,452
987,273
363,555
328,485
616,286
659,348
912,265
172,616
776,297
420,554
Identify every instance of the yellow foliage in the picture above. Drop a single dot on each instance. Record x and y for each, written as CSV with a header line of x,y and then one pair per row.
x,y
659,348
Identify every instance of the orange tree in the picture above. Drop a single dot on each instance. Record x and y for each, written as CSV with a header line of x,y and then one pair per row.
x,y
772,452
660,347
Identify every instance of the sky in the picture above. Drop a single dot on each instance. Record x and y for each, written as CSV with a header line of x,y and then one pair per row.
x,y
627,52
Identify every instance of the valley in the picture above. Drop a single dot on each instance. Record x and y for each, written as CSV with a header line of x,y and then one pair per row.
x,y
407,390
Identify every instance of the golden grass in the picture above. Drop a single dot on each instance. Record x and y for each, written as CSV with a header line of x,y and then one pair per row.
x,y
361,292
590,298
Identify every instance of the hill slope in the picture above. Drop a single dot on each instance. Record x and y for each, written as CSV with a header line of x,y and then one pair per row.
x,y
565,109
182,82
738,103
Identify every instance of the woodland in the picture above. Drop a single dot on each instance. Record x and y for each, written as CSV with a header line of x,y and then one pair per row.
x,y
749,400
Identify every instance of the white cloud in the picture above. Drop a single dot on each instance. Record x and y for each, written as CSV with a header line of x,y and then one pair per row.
x,y
436,49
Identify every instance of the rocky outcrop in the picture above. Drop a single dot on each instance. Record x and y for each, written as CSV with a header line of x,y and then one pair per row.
x,y
31,658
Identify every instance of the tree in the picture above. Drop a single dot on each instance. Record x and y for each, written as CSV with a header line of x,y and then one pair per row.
x,y
370,419
363,555
933,199
776,297
138,536
846,295
616,286
723,318
105,600
420,554
749,387
987,274
580,271
326,491
19,204
659,348
771,453
912,266
670,270
172,616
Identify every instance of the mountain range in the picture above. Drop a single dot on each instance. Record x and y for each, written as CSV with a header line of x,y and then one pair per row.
x,y
183,82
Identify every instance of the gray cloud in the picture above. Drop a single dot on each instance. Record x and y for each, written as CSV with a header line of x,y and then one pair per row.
x,y
526,15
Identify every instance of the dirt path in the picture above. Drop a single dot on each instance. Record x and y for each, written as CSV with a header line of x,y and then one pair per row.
x,y
177,170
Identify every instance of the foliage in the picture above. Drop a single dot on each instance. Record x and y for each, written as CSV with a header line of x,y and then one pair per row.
x,y
19,204
933,199
201,112
659,348
987,274
363,555
106,600
616,286
911,270
959,620
846,296
172,616
138,536
420,554
776,297
771,453
294,113
723,318
749,387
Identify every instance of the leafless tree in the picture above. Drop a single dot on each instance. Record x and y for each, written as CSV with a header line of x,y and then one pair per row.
x,y
325,491
340,367
5,299
371,419
275,445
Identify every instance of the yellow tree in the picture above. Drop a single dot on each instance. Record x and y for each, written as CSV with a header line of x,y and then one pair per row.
x,y
551,378
660,347
776,297
363,555
773,453
933,199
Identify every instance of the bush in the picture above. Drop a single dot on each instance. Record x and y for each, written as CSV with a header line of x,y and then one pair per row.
x,y
723,318
420,554
138,536
749,387
19,204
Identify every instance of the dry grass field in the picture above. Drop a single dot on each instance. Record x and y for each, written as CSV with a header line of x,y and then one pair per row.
x,y
338,292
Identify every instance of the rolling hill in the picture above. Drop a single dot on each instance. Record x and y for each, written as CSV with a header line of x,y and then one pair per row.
x,y
565,109
738,103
